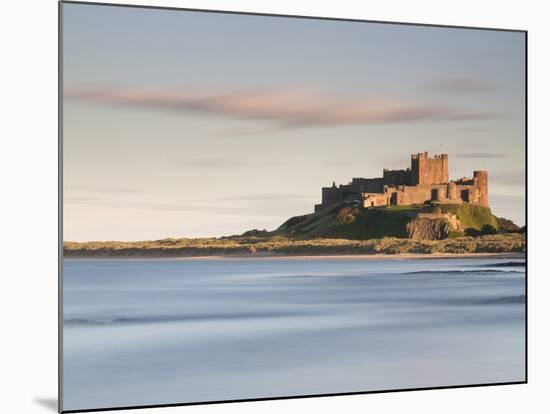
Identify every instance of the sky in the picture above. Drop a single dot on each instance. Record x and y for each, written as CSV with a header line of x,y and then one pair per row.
x,y
197,124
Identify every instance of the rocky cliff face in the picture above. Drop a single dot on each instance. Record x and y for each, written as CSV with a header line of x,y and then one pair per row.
x,y
429,228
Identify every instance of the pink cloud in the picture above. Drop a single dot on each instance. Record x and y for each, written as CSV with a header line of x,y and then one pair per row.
x,y
285,106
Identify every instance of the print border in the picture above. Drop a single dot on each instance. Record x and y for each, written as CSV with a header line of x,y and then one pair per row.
x,y
60,208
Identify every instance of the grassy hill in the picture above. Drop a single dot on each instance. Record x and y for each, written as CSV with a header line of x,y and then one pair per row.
x,y
471,216
349,221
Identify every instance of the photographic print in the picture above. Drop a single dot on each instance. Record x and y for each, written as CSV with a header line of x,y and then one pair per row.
x,y
261,206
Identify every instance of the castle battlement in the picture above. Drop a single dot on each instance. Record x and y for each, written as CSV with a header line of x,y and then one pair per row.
x,y
426,180
420,155
425,156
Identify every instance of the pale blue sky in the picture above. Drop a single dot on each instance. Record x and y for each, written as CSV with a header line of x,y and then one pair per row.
x,y
181,124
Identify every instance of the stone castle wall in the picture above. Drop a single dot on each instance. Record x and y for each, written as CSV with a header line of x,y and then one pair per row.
x,y
397,177
426,180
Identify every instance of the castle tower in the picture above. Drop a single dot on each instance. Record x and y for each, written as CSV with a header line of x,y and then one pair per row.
x,y
426,170
438,194
451,191
482,184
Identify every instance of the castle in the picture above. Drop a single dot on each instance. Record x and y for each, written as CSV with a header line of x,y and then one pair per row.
x,y
427,180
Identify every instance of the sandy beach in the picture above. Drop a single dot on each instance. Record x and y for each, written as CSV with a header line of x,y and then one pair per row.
x,y
267,256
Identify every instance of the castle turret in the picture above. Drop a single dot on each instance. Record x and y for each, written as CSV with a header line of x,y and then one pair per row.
x,y
438,194
451,191
482,184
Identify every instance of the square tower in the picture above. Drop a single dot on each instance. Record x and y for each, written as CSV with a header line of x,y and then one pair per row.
x,y
426,170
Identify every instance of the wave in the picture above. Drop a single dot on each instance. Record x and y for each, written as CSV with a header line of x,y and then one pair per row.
x,y
173,318
504,264
504,300
99,321
461,272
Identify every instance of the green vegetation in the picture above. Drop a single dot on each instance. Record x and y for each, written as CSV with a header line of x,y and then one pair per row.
x,y
370,224
486,229
471,215
505,225
411,208
278,245
346,222
349,221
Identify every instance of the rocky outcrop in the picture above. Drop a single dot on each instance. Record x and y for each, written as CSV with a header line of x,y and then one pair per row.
x,y
425,228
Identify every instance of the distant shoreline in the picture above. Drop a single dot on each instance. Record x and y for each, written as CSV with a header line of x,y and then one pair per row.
x,y
498,245
274,256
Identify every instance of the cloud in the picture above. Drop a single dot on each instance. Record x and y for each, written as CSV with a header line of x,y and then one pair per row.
x,y
270,197
462,85
256,204
221,162
483,155
176,206
283,106
105,190
212,162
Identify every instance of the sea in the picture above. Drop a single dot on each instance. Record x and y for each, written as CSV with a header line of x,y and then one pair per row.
x,y
150,332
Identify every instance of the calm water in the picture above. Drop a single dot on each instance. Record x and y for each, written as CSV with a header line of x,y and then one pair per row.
x,y
154,332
